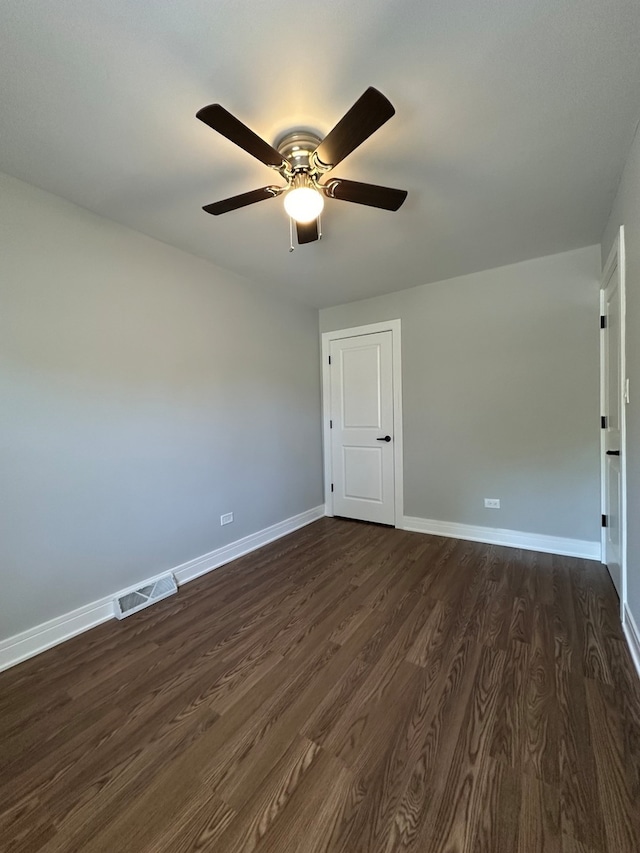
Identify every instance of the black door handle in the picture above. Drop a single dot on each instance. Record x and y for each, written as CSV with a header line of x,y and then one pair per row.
x,y
613,453
386,438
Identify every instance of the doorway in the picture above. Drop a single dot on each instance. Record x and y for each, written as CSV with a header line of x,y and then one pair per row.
x,y
614,395
362,413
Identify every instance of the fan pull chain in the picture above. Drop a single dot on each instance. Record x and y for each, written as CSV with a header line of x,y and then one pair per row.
x,y
319,226
291,246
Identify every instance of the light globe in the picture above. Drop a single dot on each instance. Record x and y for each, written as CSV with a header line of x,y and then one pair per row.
x,y
303,204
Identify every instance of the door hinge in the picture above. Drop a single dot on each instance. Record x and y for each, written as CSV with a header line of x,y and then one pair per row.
x,y
331,486
330,424
603,421
604,520
329,359
603,321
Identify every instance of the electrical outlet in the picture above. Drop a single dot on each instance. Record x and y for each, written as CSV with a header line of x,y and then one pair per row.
x,y
492,503
227,518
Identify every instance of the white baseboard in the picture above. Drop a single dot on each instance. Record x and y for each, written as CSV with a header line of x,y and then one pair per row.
x,y
20,647
29,643
632,634
511,538
214,559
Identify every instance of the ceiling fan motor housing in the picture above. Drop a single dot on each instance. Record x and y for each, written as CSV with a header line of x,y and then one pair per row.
x,y
297,146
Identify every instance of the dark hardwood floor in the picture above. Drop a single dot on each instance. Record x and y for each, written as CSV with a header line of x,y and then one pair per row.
x,y
348,688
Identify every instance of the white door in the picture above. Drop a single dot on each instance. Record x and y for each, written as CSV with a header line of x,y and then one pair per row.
x,y
612,416
362,429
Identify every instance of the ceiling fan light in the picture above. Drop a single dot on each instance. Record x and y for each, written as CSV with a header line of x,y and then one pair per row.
x,y
303,204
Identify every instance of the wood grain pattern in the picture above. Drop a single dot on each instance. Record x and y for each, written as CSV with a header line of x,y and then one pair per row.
x,y
347,689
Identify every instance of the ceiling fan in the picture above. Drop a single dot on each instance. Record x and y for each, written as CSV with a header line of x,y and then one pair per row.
x,y
302,159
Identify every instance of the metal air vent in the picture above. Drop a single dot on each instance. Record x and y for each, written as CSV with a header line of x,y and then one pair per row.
x,y
130,601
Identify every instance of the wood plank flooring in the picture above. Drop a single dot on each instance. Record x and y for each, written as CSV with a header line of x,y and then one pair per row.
x,y
348,688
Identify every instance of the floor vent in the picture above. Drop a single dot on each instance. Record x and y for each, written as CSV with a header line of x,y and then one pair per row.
x,y
136,599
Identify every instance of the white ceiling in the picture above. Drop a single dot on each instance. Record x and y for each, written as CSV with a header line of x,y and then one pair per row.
x,y
513,121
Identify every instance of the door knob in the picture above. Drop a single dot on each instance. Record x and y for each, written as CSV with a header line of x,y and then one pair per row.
x,y
613,453
386,438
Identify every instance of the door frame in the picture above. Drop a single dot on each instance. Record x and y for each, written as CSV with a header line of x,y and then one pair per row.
x,y
393,326
616,256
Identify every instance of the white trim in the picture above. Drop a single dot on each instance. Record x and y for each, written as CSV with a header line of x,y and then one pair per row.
x,y
632,634
214,559
20,647
511,538
29,643
616,256
393,326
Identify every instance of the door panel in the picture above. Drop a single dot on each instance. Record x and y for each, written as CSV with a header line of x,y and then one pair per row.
x,y
363,471
360,379
362,414
612,437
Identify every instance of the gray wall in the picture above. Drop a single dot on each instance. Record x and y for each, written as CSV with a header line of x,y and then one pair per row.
x,y
144,392
500,392
626,211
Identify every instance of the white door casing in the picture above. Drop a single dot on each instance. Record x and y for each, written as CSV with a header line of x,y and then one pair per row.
x,y
613,398
362,407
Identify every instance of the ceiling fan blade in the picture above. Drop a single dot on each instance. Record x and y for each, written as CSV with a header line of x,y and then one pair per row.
x,y
386,198
243,200
307,231
228,125
368,113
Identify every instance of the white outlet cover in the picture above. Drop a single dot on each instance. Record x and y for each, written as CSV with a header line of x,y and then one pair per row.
x,y
227,518
492,503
